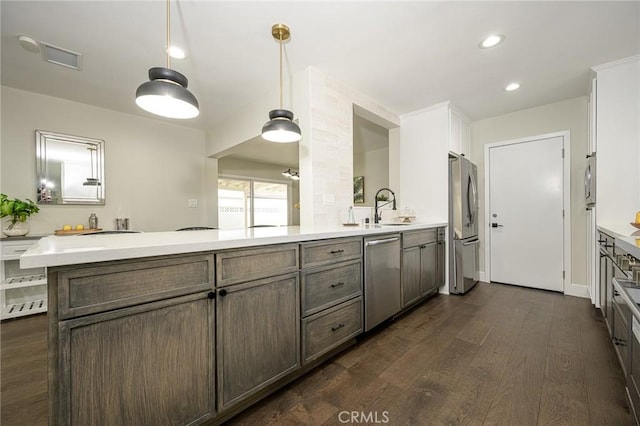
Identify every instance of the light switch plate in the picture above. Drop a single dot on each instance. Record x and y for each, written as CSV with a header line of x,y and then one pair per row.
x,y
193,203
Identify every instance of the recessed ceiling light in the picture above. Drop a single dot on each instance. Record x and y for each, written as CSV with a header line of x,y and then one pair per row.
x,y
176,53
491,41
512,86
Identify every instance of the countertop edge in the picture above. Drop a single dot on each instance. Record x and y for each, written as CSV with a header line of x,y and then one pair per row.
x,y
70,250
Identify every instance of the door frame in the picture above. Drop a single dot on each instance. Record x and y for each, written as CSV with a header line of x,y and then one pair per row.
x,y
566,197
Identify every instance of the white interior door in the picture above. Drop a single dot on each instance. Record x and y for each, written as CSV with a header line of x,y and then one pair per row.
x,y
526,224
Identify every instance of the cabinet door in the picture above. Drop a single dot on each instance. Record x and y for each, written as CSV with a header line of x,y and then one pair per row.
x,y
602,282
258,336
411,275
440,264
428,281
634,367
149,364
621,340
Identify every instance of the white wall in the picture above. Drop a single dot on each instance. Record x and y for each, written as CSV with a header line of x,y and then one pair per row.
x,y
569,115
374,166
424,164
152,167
371,157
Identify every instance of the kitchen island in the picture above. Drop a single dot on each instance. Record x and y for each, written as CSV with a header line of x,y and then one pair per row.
x,y
193,327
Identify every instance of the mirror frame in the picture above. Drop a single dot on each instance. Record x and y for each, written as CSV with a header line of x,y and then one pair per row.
x,y
42,138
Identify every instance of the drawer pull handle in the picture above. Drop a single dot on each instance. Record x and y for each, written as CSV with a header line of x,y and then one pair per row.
x,y
337,327
340,284
337,251
20,251
615,293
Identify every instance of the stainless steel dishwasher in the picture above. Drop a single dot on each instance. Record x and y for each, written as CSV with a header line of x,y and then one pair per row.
x,y
381,279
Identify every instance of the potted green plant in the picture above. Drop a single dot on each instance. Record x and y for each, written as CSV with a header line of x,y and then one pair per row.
x,y
18,212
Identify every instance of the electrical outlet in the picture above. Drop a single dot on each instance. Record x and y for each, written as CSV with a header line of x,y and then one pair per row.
x,y
329,199
193,203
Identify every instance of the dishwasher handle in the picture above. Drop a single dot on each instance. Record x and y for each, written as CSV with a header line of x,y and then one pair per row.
x,y
376,242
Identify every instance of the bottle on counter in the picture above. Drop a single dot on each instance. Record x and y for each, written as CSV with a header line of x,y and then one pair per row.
x,y
93,221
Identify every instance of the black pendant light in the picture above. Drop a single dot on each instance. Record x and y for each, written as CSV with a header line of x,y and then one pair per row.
x,y
166,93
280,127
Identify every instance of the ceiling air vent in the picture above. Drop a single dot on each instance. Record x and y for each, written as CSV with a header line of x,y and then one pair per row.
x,y
59,56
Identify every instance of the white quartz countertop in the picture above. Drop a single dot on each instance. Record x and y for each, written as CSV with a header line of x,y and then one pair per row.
x,y
627,237
78,249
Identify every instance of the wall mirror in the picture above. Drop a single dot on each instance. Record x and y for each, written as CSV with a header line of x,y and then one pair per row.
x,y
69,169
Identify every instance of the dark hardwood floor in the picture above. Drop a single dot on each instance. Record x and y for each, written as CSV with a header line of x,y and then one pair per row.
x,y
500,355
23,371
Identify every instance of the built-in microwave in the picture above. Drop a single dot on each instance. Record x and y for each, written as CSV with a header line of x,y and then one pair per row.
x,y
590,181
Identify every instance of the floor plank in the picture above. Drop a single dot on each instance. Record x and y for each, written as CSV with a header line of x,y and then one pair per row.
x,y
499,355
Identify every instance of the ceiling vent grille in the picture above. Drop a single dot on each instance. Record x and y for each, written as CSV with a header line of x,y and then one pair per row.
x,y
59,56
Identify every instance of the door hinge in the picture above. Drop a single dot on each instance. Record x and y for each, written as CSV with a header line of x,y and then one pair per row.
x,y
562,152
563,213
563,275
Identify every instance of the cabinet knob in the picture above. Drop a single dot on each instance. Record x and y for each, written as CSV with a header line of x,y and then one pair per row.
x,y
222,292
211,295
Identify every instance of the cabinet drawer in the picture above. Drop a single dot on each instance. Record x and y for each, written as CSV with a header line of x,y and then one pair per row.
x,y
331,251
100,287
416,238
328,329
13,251
329,285
236,266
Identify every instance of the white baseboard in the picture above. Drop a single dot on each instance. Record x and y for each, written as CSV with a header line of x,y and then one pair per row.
x,y
444,289
577,290
482,276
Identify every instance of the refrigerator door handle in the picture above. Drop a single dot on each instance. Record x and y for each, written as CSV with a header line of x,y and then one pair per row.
x,y
471,243
587,182
469,212
472,200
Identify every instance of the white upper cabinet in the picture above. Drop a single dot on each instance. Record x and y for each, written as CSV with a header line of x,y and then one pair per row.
x,y
617,141
459,133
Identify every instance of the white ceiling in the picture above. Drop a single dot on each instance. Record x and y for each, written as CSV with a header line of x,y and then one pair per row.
x,y
405,55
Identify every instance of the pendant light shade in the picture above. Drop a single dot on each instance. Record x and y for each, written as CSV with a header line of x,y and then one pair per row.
x,y
166,93
280,127
92,181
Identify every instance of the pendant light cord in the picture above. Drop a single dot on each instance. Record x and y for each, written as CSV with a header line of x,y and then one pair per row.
x,y
168,33
280,70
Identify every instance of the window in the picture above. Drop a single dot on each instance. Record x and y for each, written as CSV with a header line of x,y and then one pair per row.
x,y
247,202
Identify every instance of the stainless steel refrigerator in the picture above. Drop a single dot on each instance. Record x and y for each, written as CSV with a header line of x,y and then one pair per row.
x,y
464,244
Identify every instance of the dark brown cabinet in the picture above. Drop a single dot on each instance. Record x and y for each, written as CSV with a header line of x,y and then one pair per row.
x,y
147,364
422,265
258,336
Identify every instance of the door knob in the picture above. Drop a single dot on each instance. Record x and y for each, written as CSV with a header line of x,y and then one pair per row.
x,y
495,225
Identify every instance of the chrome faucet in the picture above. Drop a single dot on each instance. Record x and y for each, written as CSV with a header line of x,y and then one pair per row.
x,y
378,216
